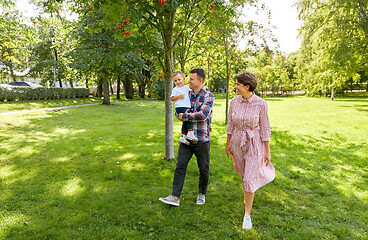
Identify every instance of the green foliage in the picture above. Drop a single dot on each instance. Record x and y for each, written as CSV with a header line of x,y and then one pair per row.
x,y
15,37
97,172
334,43
14,93
50,50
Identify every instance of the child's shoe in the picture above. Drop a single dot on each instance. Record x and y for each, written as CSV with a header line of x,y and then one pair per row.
x,y
183,139
191,136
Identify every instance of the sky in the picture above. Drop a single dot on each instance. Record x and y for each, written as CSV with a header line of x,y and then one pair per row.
x,y
283,16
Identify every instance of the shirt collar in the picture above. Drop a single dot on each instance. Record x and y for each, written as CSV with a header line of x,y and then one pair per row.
x,y
199,93
251,99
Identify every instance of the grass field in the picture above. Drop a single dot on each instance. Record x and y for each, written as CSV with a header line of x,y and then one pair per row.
x,y
97,172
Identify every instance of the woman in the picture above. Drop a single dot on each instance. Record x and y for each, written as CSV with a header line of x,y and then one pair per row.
x,y
248,140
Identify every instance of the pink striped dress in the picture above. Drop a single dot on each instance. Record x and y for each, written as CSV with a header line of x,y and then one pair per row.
x,y
249,126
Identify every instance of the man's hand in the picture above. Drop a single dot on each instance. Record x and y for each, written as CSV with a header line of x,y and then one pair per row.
x,y
181,96
180,117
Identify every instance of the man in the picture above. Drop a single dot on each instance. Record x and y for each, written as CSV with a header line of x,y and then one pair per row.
x,y
201,116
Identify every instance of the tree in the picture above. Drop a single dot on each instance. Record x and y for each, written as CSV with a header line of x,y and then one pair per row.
x,y
174,20
334,43
15,37
49,53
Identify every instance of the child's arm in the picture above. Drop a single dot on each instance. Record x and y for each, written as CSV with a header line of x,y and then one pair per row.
x,y
175,98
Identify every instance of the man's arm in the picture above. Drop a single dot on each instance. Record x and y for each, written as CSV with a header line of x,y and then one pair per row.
x,y
202,114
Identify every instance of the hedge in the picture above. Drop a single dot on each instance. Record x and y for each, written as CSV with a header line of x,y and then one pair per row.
x,y
16,93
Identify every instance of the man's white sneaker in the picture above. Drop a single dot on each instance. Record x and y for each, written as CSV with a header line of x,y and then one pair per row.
x,y
201,199
191,137
170,200
183,139
247,222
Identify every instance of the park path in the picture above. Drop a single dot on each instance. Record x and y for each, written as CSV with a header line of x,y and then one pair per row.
x,y
45,109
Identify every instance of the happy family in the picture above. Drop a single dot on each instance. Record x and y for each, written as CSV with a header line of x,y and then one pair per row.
x,y
248,136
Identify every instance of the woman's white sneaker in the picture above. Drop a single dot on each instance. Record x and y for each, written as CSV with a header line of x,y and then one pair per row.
x,y
247,222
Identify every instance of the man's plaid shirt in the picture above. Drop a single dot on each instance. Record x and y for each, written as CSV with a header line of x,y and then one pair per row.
x,y
201,114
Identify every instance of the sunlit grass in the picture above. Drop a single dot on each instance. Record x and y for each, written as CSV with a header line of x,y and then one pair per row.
x,y
28,105
97,172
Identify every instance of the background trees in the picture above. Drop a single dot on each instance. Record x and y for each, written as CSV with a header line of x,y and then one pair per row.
x,y
334,47
15,38
136,45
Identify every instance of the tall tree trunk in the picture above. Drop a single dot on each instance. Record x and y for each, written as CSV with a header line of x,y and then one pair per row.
x,y
106,93
12,73
141,90
118,88
227,80
208,74
128,87
167,37
111,88
142,87
332,93
182,65
147,76
86,80
56,59
71,83
99,88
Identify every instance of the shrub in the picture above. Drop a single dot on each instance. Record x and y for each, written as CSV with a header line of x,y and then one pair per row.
x,y
13,93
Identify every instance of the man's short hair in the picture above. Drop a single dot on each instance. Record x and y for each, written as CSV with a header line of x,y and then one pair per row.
x,y
200,73
249,79
178,73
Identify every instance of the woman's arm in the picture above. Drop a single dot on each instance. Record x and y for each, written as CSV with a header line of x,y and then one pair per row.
x,y
228,147
229,130
267,157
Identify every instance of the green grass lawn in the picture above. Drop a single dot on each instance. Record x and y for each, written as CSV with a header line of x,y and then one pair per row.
x,y
97,172
22,105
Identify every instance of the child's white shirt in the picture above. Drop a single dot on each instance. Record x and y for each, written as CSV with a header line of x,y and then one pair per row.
x,y
181,102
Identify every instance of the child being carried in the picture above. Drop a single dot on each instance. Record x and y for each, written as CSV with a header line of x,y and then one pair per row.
x,y
180,95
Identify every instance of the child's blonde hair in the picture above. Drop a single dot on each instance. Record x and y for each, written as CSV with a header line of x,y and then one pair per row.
x,y
178,73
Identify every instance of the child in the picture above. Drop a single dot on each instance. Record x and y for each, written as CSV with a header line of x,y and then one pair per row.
x,y
180,95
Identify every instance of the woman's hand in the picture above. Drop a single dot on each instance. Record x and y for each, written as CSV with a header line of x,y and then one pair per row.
x,y
228,147
267,158
228,150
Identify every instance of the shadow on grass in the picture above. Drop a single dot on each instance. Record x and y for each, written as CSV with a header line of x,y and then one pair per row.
x,y
97,173
69,170
359,107
319,186
363,108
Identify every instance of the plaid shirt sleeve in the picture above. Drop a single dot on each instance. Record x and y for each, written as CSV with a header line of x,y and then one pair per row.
x,y
205,104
